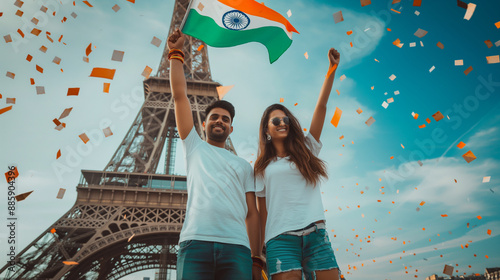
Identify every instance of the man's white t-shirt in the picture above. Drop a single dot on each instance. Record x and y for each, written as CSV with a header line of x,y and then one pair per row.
x,y
217,181
291,202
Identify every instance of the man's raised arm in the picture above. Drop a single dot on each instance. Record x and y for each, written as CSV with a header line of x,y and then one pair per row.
x,y
183,114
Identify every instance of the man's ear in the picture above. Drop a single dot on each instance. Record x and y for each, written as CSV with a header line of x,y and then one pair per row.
x,y
231,130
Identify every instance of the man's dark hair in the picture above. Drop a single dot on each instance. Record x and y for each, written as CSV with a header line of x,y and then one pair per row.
x,y
223,105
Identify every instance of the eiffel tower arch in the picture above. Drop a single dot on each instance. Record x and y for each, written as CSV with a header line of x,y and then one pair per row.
x,y
126,218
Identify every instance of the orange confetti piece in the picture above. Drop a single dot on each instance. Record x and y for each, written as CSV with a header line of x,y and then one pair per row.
x,y
84,138
103,73
223,90
36,31
201,47
422,203
32,81
423,228
306,55
479,217
282,100
73,91
58,154
14,173
402,146
53,230
20,32
147,71
359,111
428,120
396,11
486,256
497,24
489,232
3,110
336,117
421,126
461,145
415,116
39,69
71,262
417,3
349,32
338,92
29,58
106,87
23,196
444,215
295,104
468,70
88,4
469,156
88,50
350,44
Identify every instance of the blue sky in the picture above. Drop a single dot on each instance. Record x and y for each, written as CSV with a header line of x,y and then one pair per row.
x,y
363,164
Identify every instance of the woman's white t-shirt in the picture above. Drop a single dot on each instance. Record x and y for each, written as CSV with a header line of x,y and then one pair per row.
x,y
291,202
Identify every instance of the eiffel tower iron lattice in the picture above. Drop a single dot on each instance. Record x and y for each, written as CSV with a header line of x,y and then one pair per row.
x,y
127,218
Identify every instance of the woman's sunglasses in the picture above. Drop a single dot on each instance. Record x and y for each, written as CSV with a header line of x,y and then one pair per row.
x,y
277,121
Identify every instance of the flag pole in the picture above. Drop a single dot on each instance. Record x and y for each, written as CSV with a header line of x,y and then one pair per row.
x,y
186,15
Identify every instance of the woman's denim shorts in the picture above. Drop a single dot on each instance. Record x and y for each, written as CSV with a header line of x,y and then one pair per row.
x,y
308,253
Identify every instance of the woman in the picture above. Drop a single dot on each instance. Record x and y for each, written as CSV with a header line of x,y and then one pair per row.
x,y
287,173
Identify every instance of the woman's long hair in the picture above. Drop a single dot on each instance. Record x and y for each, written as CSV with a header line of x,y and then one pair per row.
x,y
310,166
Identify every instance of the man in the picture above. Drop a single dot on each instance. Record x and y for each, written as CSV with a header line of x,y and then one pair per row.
x,y
214,242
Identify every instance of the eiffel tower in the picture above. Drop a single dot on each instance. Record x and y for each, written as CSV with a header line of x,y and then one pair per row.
x,y
127,218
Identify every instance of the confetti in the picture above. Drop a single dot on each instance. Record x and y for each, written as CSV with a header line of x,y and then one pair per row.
x,y
420,33
306,55
461,145
58,155
422,203
432,69
88,50
6,109
106,87
470,11
493,59
336,117
74,15
39,69
56,60
71,262
413,44
283,100
462,4
19,13
349,32
448,270
130,238
103,73
469,156
397,43
392,77
117,56
60,193
40,90
147,71
10,75
417,3
438,116
396,11
385,105
43,49
486,179
440,45
289,13
359,111
200,48
65,113
489,232
468,70
365,2
342,77
337,17
488,43
156,42
23,196
7,38
36,32
73,91
19,3
444,215
116,8
107,132
10,101
497,24
459,62
417,13
53,230
370,121
479,217
43,9
88,4
84,138
223,90
201,6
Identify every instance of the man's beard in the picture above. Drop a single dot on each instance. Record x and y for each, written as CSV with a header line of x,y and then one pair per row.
x,y
217,137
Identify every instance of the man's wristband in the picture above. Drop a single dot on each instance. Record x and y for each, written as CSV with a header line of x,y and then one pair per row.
x,y
258,260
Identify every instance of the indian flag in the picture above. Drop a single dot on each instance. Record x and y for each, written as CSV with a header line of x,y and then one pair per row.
x,y
227,23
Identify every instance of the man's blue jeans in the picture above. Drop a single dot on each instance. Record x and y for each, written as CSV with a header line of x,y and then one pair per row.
x,y
204,260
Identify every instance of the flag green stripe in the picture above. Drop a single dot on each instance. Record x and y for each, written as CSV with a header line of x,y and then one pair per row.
x,y
204,28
